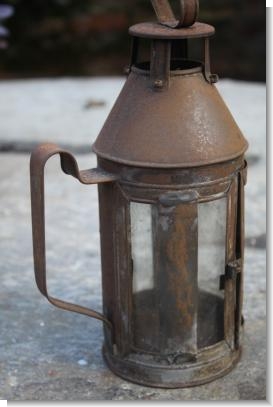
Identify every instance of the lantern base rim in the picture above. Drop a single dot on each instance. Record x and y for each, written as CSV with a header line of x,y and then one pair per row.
x,y
183,376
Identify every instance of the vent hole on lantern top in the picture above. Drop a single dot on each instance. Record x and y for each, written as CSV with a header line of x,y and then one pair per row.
x,y
177,66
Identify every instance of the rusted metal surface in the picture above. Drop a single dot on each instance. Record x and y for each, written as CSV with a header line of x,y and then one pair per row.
x,y
211,78
174,178
240,243
188,12
122,271
214,363
189,115
180,361
160,64
169,363
170,142
177,247
37,164
230,283
159,32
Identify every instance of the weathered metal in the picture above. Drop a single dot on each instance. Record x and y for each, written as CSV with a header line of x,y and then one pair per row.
x,y
69,166
188,11
171,144
189,115
157,31
210,349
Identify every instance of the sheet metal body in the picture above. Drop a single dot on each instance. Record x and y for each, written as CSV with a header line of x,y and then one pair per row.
x,y
145,125
184,353
171,143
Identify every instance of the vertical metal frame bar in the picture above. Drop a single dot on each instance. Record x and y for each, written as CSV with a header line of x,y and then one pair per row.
x,y
210,77
177,285
240,238
230,283
106,197
160,63
123,272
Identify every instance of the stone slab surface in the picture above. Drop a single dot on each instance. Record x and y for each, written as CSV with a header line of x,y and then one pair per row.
x,y
65,111
49,354
72,111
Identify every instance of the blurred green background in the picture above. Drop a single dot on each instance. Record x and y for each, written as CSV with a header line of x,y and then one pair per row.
x,y
52,38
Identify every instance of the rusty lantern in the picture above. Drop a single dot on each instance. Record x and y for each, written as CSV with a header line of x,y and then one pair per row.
x,y
171,175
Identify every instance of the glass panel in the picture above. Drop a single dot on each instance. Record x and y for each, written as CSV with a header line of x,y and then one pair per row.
x,y
211,243
211,265
145,311
142,246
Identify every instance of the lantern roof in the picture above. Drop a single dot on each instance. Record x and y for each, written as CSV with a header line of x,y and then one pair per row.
x,y
186,125
159,31
169,113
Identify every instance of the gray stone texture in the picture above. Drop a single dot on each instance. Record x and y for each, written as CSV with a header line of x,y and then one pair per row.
x,y
49,354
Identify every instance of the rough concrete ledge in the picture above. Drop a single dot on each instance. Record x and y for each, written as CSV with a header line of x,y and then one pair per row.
x,y
49,354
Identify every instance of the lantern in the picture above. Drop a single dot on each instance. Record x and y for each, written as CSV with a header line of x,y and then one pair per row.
x,y
171,175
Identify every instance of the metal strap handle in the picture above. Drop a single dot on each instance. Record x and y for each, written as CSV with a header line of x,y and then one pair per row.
x,y
38,160
188,13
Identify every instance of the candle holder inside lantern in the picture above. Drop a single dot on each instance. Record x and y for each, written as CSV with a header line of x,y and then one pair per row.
x,y
171,175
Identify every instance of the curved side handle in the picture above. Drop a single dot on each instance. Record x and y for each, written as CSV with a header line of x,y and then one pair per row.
x,y
69,165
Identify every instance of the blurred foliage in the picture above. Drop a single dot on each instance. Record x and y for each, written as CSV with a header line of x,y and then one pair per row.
x,y
88,37
6,11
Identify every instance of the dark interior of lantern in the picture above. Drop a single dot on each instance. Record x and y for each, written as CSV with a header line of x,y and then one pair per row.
x,y
210,320
152,302
176,65
186,54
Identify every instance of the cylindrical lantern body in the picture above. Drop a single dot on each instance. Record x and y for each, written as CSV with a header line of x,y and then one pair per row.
x,y
172,227
171,247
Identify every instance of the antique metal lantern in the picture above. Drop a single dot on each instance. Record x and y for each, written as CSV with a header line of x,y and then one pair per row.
x,y
171,175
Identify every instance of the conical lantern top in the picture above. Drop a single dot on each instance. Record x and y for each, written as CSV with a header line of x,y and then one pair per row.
x,y
169,114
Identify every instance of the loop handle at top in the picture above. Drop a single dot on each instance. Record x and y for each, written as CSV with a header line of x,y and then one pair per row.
x,y
188,13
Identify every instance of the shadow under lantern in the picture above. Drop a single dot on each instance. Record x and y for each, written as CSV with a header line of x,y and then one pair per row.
x,y
171,175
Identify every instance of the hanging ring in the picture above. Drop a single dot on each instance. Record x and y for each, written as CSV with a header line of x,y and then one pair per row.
x,y
188,13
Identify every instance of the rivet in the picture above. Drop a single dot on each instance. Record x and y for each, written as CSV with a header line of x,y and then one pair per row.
x,y
214,78
127,70
158,83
